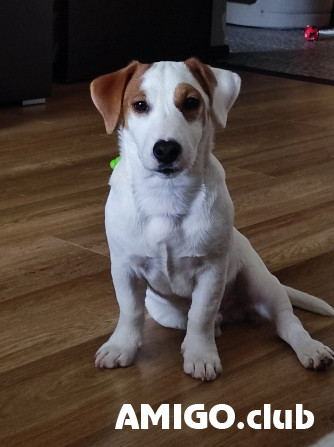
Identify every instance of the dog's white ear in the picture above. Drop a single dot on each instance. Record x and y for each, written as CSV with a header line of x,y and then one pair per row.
x,y
107,94
225,93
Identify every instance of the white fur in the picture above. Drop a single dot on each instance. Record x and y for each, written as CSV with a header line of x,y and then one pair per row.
x,y
172,241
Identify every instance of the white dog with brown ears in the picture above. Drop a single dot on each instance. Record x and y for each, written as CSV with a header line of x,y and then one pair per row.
x,y
169,220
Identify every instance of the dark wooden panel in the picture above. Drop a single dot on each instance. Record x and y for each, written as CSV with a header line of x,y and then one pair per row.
x,y
25,49
102,36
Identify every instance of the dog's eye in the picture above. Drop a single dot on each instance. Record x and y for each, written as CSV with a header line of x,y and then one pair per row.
x,y
141,106
191,103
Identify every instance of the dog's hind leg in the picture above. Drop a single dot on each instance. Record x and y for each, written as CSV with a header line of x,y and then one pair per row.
x,y
270,298
171,312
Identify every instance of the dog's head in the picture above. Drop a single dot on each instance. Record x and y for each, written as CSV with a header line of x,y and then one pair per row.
x,y
164,107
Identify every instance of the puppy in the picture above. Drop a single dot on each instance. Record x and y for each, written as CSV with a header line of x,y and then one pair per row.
x,y
169,220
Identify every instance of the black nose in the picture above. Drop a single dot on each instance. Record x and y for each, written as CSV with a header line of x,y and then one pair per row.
x,y
166,151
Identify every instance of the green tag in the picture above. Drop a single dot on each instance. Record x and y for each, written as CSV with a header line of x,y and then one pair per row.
x,y
114,162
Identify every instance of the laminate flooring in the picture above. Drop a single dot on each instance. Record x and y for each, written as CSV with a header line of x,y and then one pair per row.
x,y
57,303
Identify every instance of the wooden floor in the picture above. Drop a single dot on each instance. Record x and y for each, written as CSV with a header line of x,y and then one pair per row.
x,y
57,301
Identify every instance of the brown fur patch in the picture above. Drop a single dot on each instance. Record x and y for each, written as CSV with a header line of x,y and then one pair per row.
x,y
184,91
107,93
133,92
204,76
112,93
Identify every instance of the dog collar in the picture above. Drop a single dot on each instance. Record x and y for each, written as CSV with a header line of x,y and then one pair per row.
x,y
114,162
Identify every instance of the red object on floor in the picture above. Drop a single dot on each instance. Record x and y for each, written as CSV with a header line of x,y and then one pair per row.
x,y
311,32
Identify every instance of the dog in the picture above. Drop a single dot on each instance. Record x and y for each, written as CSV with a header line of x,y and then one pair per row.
x,y
169,220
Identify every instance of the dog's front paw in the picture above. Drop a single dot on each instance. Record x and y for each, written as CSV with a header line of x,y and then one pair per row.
x,y
201,363
316,356
113,355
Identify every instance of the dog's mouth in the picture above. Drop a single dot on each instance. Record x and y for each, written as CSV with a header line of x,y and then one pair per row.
x,y
168,171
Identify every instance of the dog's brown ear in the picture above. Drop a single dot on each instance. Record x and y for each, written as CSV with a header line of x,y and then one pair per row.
x,y
221,86
107,94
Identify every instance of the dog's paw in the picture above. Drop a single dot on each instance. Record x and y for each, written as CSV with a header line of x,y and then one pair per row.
x,y
202,364
316,356
112,355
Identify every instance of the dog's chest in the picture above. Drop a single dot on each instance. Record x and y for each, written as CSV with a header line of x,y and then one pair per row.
x,y
168,274
171,262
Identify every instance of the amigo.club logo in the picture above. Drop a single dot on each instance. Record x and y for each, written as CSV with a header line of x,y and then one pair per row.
x,y
220,416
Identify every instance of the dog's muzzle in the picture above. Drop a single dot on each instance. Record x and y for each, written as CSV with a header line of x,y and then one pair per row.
x,y
167,152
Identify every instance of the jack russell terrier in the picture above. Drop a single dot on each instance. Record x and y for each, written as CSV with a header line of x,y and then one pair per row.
x,y
169,220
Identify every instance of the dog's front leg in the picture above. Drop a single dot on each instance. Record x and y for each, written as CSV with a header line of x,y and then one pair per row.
x,y
201,358
121,348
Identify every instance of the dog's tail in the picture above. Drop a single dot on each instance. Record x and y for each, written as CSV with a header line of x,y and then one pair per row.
x,y
309,302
